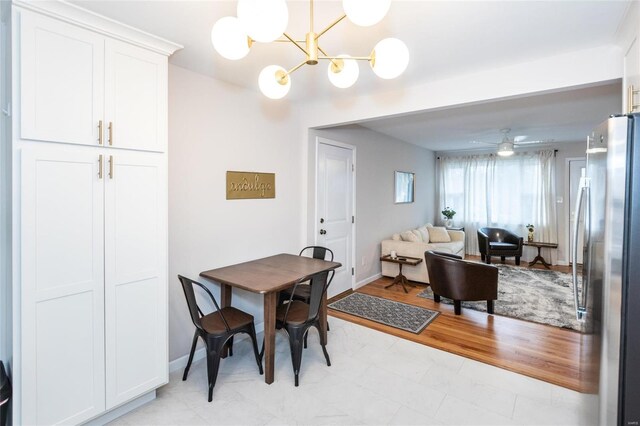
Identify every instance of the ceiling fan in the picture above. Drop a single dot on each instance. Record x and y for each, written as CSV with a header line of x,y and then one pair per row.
x,y
505,147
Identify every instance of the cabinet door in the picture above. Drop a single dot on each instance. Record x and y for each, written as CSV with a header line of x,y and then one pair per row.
x,y
62,285
632,78
61,81
135,97
136,274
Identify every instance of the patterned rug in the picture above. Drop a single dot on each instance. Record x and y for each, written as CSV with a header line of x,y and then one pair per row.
x,y
536,295
395,314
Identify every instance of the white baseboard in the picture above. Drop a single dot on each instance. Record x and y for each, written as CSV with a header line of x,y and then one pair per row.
x,y
562,263
181,363
367,281
123,409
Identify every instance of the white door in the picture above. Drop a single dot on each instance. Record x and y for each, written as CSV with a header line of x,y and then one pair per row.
x,y
62,81
576,168
334,227
136,277
135,97
62,285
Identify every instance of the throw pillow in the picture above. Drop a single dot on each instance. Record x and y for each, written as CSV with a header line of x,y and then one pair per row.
x,y
418,234
409,236
438,234
396,237
424,233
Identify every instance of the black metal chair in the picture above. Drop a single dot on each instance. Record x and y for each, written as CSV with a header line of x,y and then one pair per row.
x,y
297,317
303,291
216,329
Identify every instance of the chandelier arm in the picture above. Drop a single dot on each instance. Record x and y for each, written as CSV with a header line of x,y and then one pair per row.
x,y
356,58
296,43
284,40
297,67
331,25
327,55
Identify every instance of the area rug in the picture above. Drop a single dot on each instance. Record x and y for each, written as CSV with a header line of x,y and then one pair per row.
x,y
395,314
536,295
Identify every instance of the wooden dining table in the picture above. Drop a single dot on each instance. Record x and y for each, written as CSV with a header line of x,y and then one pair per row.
x,y
268,276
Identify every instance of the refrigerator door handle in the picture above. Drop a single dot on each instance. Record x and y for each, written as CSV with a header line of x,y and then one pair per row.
x,y
583,188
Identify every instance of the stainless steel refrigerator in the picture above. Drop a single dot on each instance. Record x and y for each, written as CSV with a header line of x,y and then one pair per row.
x,y
607,295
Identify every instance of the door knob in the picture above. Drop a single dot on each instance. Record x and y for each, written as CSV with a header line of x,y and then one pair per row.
x,y
321,220
323,232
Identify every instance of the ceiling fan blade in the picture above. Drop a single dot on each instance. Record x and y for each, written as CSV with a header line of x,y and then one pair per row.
x,y
519,138
483,143
535,142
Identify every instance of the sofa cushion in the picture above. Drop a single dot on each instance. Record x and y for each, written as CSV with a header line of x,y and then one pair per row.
x,y
424,233
438,234
396,237
410,236
453,247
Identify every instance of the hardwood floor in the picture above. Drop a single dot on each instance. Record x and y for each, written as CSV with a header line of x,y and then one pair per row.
x,y
540,351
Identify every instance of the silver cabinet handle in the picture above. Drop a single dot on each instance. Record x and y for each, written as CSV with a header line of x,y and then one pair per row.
x,y
100,167
583,188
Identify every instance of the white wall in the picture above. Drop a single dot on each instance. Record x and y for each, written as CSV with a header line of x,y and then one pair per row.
x,y
377,216
564,151
215,127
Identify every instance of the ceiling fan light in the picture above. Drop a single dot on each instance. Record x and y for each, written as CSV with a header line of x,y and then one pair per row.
x,y
366,12
274,82
343,73
389,58
263,20
229,38
505,149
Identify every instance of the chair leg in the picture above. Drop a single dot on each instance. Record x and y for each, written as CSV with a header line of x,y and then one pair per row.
x,y
295,342
517,260
482,256
324,346
489,306
193,349
488,260
457,307
328,328
305,338
436,298
503,258
230,346
213,363
254,340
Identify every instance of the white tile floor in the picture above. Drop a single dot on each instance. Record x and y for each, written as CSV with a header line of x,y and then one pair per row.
x,y
374,378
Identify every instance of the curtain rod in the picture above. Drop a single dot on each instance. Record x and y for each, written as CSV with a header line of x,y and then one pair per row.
x,y
555,151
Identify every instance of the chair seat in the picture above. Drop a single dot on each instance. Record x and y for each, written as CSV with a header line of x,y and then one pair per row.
x,y
298,313
303,292
213,324
502,246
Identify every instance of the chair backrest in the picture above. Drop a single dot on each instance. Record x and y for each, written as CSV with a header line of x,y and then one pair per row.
x,y
319,284
192,303
319,252
451,276
496,234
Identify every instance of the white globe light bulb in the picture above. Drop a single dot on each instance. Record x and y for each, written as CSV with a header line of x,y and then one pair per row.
x,y
274,82
390,58
365,12
229,38
345,74
263,20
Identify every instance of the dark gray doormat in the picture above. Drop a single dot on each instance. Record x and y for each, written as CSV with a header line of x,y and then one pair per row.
x,y
395,314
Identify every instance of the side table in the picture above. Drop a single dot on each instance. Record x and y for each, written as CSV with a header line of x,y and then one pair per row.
x,y
401,260
540,246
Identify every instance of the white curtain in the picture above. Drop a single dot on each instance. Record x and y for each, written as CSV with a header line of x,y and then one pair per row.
x,y
503,192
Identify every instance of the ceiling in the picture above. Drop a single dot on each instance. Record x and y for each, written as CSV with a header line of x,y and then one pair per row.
x,y
445,38
566,116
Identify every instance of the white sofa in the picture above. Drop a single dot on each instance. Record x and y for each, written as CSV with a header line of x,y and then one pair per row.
x,y
416,249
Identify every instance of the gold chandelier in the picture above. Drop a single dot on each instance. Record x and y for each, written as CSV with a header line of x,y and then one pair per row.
x,y
266,21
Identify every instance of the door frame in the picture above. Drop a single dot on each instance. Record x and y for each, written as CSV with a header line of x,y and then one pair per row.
x,y
316,229
567,196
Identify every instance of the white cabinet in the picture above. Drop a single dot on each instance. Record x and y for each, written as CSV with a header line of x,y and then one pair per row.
x,y
135,268
632,77
90,233
62,79
80,87
135,97
62,286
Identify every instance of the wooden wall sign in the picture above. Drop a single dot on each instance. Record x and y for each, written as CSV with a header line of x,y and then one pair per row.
x,y
248,185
